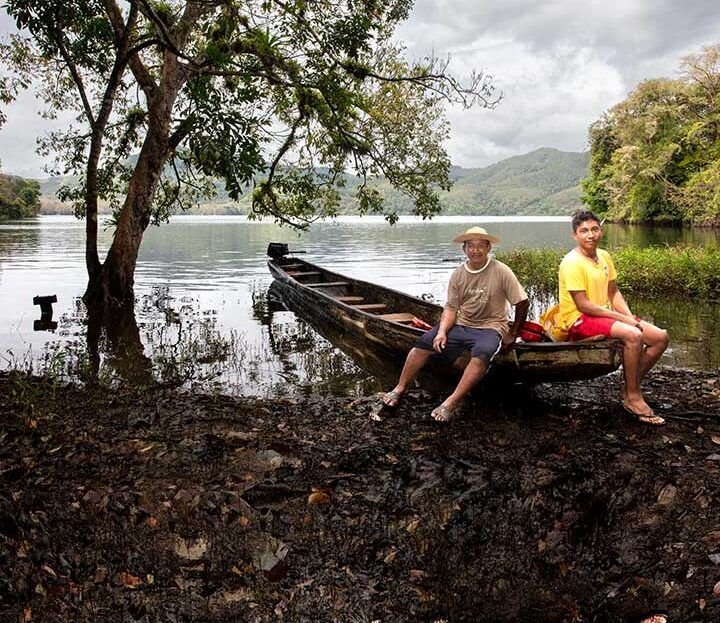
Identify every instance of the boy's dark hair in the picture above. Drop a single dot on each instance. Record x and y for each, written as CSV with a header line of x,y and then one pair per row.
x,y
581,216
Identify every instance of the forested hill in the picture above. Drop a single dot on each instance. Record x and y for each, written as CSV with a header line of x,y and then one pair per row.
x,y
545,181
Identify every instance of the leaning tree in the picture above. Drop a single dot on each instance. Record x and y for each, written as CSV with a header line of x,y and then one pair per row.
x,y
283,99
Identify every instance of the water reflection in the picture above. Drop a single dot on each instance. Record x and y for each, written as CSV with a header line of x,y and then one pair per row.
x,y
202,318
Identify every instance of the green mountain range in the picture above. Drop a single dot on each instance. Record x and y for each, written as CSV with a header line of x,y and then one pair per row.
x,y
543,182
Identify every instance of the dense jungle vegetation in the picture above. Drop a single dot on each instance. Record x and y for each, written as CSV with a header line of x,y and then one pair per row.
x,y
19,197
655,157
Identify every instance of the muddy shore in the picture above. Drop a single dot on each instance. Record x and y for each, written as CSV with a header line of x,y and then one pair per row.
x,y
542,505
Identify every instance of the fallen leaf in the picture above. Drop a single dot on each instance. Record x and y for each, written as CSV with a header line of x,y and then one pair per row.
x,y
701,603
715,439
190,549
712,539
391,555
130,581
150,579
716,590
32,423
26,616
100,575
49,570
151,522
667,495
318,497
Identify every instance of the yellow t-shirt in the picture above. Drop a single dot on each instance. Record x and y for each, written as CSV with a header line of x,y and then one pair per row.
x,y
578,273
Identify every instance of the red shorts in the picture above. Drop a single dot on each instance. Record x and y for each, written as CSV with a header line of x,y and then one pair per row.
x,y
588,326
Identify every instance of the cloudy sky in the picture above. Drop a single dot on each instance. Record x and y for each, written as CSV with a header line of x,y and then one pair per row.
x,y
559,64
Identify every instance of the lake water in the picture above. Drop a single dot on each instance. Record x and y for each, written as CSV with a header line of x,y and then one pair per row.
x,y
202,283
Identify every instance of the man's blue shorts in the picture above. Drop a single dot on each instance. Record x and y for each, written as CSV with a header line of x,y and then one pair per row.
x,y
482,343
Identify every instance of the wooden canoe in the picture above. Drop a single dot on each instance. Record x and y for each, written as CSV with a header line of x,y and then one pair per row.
x,y
383,319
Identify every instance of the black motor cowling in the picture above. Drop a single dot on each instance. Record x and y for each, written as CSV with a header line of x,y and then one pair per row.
x,y
276,250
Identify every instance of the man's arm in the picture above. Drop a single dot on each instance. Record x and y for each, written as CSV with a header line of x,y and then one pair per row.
x,y
447,320
521,311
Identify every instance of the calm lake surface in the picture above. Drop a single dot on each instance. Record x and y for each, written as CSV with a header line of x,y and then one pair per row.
x,y
203,312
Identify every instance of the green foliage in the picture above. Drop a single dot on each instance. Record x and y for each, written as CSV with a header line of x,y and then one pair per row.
x,y
261,94
537,269
264,88
19,198
652,272
655,156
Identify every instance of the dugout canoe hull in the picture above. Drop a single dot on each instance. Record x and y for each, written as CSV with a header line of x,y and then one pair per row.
x,y
379,318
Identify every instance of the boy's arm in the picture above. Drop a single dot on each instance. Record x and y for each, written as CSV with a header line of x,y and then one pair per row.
x,y
617,299
585,306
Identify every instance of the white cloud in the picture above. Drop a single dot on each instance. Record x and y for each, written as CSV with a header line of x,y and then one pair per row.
x,y
559,63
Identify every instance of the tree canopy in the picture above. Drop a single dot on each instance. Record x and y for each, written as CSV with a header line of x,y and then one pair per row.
x,y
288,97
19,197
656,155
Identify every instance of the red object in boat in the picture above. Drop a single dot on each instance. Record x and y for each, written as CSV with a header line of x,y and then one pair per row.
x,y
420,324
532,332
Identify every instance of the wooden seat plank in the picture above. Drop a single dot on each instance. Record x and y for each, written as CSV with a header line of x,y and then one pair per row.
x,y
326,284
370,306
399,317
307,273
349,299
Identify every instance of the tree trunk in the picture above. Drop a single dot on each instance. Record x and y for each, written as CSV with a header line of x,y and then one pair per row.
x,y
113,283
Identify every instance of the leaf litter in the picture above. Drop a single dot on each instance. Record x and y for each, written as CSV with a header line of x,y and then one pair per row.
x,y
546,506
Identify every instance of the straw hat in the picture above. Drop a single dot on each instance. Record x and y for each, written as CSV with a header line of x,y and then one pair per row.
x,y
476,233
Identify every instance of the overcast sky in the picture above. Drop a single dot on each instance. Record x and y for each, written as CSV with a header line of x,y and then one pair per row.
x,y
559,64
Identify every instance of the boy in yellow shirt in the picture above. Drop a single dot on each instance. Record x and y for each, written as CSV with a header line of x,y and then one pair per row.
x,y
591,304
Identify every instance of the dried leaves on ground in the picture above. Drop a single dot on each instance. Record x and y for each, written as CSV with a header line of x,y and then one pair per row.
x,y
533,505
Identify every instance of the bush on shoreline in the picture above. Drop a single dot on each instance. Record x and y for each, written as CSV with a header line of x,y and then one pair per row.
x,y
651,271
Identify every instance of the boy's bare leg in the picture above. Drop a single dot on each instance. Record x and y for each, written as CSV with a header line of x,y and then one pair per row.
x,y
656,340
632,354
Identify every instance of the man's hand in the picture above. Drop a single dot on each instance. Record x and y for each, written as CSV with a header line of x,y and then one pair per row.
x,y
440,342
508,341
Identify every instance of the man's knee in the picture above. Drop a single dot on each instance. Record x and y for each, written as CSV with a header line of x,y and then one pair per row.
x,y
478,363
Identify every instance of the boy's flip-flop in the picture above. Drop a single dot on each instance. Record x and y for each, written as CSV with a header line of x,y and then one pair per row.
x,y
645,418
443,414
391,399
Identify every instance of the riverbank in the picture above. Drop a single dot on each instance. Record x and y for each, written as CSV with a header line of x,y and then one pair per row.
x,y
546,506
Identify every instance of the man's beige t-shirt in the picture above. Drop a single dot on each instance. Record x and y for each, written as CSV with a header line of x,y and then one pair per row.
x,y
481,297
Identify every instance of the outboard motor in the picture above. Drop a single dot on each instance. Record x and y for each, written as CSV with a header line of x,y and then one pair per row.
x,y
276,250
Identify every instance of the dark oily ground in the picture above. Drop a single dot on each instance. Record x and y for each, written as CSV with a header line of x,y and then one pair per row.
x,y
542,505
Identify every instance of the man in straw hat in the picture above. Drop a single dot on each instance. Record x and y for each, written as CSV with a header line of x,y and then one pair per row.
x,y
475,318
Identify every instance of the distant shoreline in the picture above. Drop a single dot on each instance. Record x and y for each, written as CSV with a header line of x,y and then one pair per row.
x,y
349,218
